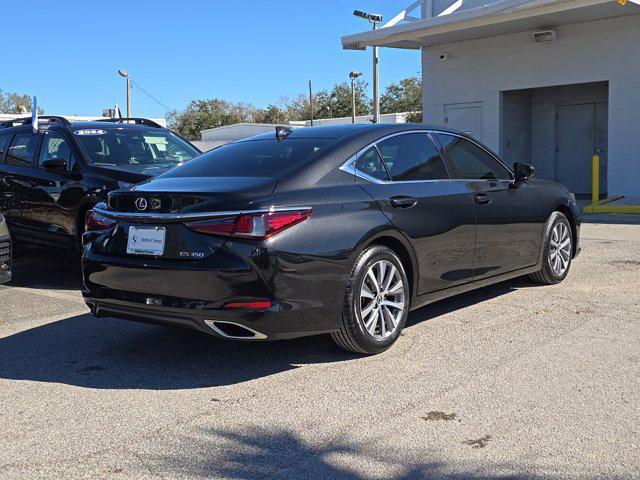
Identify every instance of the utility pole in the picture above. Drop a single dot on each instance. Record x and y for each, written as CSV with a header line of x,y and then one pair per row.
x,y
353,75
374,19
311,101
376,84
123,73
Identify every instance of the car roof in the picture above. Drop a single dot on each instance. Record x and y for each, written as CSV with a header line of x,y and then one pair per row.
x,y
107,125
344,130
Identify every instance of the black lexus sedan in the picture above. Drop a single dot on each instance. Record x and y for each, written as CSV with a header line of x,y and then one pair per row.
x,y
51,177
337,229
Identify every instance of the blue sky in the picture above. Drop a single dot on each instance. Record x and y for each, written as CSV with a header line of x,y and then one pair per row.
x,y
68,52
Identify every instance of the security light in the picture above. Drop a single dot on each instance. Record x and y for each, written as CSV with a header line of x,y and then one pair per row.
x,y
123,73
372,17
355,74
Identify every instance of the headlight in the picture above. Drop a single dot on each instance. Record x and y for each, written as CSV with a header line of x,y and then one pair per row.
x,y
124,184
573,196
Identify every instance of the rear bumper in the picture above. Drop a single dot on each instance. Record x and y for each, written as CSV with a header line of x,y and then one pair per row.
x,y
193,294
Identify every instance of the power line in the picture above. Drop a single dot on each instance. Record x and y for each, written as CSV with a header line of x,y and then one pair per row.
x,y
151,96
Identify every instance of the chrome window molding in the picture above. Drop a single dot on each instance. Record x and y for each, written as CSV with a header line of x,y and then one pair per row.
x,y
165,217
349,167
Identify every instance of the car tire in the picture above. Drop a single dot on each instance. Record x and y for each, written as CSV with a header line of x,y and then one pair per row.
x,y
557,251
371,325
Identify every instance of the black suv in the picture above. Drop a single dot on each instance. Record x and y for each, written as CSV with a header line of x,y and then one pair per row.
x,y
49,179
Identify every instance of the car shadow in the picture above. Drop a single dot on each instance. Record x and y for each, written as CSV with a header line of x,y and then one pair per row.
x,y
44,268
107,353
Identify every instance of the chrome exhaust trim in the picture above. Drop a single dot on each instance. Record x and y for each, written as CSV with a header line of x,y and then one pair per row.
x,y
254,334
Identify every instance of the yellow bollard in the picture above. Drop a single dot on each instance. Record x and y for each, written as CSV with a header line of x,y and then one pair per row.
x,y
595,185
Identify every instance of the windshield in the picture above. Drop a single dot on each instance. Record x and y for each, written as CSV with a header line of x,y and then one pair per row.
x,y
256,158
129,146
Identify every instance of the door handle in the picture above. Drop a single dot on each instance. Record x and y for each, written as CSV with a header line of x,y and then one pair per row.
x,y
403,202
482,198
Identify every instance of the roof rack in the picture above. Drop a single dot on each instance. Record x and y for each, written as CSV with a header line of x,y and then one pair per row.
x,y
135,121
27,121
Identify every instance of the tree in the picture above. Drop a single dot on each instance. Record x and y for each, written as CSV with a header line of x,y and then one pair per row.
x,y
337,102
16,103
403,96
203,114
271,114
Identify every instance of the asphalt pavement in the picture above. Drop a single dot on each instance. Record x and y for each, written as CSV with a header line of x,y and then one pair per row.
x,y
513,381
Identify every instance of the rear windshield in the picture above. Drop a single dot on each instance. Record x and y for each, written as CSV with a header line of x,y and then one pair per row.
x,y
128,146
256,158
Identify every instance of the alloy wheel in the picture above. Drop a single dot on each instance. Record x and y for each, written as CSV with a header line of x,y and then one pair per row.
x,y
382,301
560,249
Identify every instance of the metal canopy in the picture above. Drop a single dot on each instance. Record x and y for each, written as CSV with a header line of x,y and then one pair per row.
x,y
506,16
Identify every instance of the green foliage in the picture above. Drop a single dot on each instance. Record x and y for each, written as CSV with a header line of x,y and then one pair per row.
x,y
271,114
203,114
403,96
12,103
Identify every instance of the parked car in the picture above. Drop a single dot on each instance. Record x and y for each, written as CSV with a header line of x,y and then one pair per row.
x,y
5,251
50,179
336,229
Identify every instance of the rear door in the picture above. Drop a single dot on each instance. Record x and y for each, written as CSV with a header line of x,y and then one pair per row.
x,y
509,218
17,187
408,178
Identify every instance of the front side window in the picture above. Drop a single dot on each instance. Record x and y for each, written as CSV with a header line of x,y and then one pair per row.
x,y
128,146
470,161
4,143
412,156
20,152
370,164
54,146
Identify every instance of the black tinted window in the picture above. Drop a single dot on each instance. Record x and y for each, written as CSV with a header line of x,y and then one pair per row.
x,y
258,158
21,150
412,157
370,164
471,161
53,146
4,143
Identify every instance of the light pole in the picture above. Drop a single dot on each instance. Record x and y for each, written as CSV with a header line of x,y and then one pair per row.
x,y
374,19
124,74
353,75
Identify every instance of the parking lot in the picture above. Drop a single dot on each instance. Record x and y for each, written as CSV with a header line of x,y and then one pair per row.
x,y
512,381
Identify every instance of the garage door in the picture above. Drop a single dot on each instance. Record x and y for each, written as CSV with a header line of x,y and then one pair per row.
x,y
582,131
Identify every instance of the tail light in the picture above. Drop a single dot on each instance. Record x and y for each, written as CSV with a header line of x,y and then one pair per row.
x,y
95,221
255,305
252,225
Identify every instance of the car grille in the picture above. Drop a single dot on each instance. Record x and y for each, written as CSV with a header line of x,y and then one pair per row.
x,y
5,256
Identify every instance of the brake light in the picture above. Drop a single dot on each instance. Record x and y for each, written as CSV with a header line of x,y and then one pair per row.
x,y
252,225
259,305
95,221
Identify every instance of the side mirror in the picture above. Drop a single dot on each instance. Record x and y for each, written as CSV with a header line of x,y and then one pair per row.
x,y
58,165
522,172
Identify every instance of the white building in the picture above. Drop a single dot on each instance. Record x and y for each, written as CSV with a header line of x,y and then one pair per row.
x,y
551,99
215,137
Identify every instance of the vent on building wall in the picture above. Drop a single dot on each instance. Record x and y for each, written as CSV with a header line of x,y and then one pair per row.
x,y
545,36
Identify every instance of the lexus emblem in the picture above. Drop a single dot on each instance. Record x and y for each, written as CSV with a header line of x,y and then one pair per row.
x,y
141,204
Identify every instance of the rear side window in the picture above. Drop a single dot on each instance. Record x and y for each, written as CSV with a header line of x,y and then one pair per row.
x,y
4,143
256,158
412,157
470,161
20,152
370,164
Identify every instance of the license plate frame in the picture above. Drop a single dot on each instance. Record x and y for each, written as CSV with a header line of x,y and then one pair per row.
x,y
149,241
